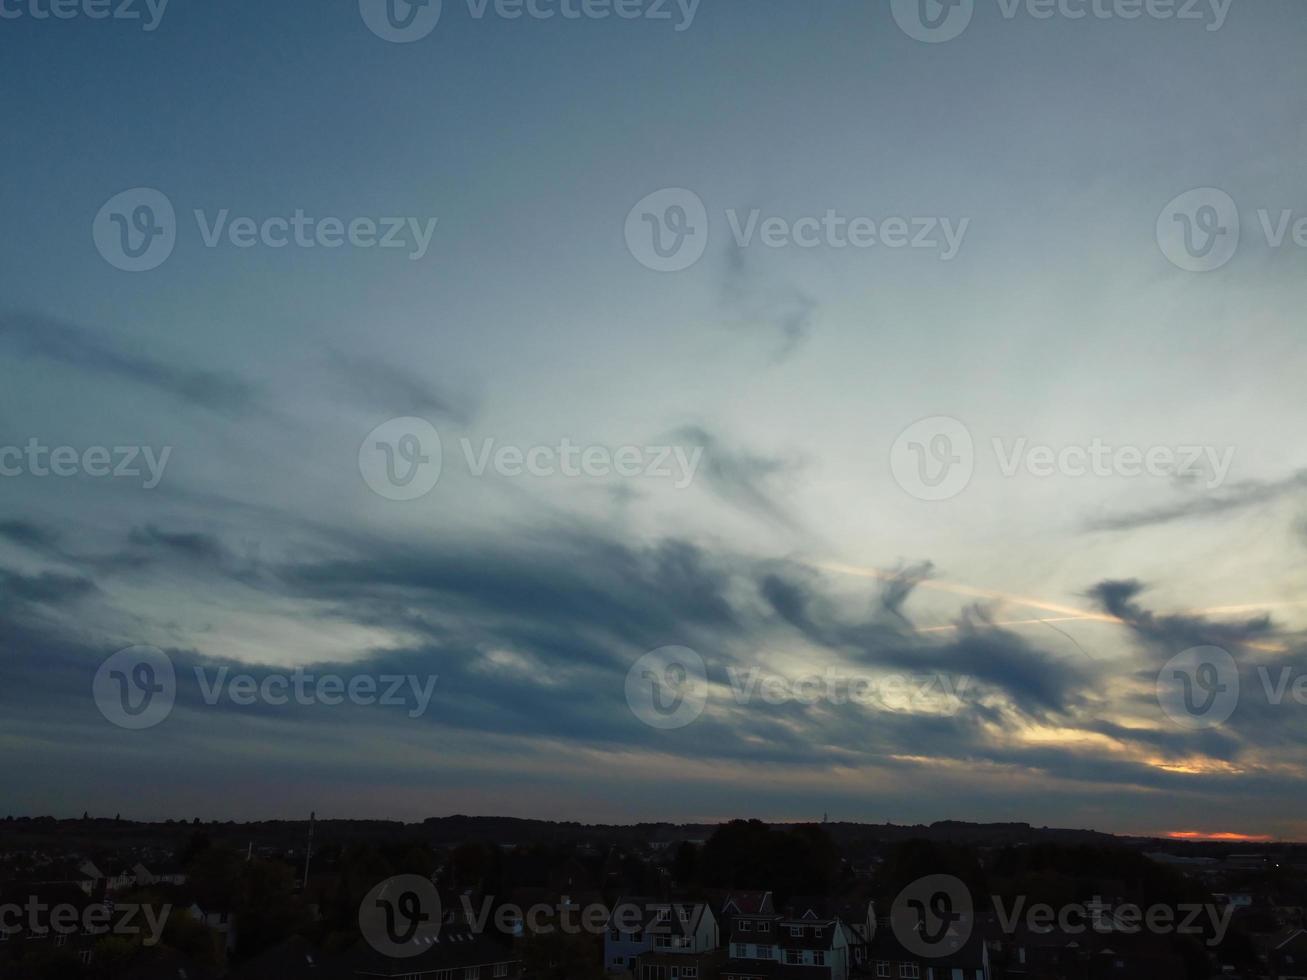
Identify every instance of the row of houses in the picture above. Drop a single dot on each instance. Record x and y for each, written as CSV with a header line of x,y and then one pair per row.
x,y
94,881
748,938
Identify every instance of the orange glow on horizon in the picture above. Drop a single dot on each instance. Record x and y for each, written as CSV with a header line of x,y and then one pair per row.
x,y
1223,835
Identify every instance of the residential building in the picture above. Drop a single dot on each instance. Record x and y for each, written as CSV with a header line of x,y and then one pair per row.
x,y
679,929
806,941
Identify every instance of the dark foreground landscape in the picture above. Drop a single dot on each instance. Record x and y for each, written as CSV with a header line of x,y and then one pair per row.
x,y
465,898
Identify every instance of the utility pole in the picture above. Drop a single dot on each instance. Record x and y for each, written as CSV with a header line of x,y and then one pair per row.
x,y
308,853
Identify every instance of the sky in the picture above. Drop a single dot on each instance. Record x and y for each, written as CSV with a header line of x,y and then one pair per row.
x,y
951,354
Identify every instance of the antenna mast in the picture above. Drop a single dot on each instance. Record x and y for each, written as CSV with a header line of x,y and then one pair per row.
x,y
308,853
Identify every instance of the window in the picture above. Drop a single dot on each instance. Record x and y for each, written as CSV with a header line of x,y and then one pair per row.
x,y
796,930
472,973
745,925
762,952
501,969
819,958
909,970
689,973
764,927
793,957
740,950
882,968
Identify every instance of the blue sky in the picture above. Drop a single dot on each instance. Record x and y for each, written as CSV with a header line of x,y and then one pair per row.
x,y
795,371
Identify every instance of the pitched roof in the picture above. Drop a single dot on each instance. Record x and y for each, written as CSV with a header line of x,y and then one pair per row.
x,y
297,958
677,918
450,949
748,903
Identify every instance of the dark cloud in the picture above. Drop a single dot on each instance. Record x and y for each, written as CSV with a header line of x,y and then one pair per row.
x,y
742,478
36,537
531,637
38,336
757,300
898,587
1238,496
395,390
47,588
201,547
1173,633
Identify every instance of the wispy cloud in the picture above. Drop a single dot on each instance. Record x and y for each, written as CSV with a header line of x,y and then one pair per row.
x,y
396,390
37,336
757,301
1240,496
743,478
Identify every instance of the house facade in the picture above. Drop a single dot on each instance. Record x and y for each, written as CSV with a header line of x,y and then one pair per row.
x,y
679,930
803,942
